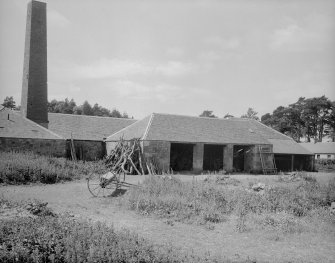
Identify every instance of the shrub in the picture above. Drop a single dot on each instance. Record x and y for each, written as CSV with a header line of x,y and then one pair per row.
x,y
49,239
24,167
325,164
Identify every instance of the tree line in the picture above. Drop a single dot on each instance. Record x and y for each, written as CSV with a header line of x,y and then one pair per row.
x,y
70,107
250,114
307,119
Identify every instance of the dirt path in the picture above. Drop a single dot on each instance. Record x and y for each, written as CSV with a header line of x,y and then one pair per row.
x,y
223,241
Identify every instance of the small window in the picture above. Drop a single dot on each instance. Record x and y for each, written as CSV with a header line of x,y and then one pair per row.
x,y
318,156
329,156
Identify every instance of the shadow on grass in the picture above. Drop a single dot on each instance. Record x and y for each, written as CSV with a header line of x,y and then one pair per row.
x,y
118,192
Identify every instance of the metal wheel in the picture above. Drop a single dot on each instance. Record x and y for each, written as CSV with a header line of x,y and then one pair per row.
x,y
99,186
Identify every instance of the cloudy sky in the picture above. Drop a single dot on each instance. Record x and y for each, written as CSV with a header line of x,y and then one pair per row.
x,y
178,56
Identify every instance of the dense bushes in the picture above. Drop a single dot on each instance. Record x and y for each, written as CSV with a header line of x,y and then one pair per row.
x,y
209,202
18,168
325,164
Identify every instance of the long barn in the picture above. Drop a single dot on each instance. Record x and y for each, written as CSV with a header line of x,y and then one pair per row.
x,y
186,143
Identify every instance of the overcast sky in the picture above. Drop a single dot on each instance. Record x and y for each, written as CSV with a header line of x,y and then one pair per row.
x,y
178,56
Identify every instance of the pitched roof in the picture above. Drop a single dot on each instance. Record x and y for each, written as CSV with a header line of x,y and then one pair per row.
x,y
320,147
288,147
14,125
178,128
82,127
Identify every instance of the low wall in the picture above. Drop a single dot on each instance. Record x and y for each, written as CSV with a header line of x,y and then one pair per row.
x,y
55,148
160,151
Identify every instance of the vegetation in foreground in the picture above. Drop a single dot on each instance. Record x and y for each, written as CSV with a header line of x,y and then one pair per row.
x,y
59,239
288,209
326,165
27,167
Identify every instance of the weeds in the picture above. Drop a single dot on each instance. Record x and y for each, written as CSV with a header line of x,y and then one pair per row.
x,y
207,202
26,167
55,239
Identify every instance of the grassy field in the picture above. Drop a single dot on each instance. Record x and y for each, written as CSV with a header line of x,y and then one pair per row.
x,y
286,204
26,167
42,236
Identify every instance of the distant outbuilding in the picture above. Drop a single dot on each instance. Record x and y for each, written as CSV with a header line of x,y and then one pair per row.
x,y
321,150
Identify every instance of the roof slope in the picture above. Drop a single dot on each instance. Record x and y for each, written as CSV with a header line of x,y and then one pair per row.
x,y
320,147
288,147
135,130
14,125
177,128
82,127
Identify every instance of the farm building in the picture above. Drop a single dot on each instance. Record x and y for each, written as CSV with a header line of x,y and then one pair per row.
x,y
20,133
86,132
321,150
185,143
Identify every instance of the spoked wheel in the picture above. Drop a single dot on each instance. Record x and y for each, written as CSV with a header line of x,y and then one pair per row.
x,y
99,186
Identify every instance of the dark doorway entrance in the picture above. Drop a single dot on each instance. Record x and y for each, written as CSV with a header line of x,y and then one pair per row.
x,y
213,157
288,162
181,157
239,156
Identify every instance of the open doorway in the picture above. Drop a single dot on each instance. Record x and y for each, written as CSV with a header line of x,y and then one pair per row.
x,y
181,157
239,157
213,157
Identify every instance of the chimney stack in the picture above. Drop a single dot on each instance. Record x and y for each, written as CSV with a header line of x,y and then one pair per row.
x,y
34,100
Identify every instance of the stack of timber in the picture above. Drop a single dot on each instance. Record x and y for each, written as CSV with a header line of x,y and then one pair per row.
x,y
127,158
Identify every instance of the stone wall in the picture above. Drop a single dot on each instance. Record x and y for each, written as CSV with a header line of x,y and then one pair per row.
x,y
160,151
87,150
228,155
110,146
198,157
252,161
55,148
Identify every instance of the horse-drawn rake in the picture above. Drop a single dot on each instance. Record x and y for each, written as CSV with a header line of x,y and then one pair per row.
x,y
109,184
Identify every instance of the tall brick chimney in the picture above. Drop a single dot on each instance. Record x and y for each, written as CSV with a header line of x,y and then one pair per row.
x,y
34,100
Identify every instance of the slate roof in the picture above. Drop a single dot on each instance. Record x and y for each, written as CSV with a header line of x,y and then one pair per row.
x,y
14,125
82,127
320,147
288,147
178,128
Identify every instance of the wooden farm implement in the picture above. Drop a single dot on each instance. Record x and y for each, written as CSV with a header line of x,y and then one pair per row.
x,y
109,184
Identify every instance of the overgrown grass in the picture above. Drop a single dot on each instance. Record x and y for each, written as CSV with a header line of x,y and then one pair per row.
x,y
203,202
60,239
24,167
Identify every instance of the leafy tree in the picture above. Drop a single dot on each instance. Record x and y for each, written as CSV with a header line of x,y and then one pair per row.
x,y
330,123
251,114
228,116
78,110
307,118
86,108
116,114
9,103
207,113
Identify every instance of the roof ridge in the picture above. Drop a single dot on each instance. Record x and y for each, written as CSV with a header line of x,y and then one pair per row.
x,y
148,126
273,130
91,116
125,128
40,126
198,117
